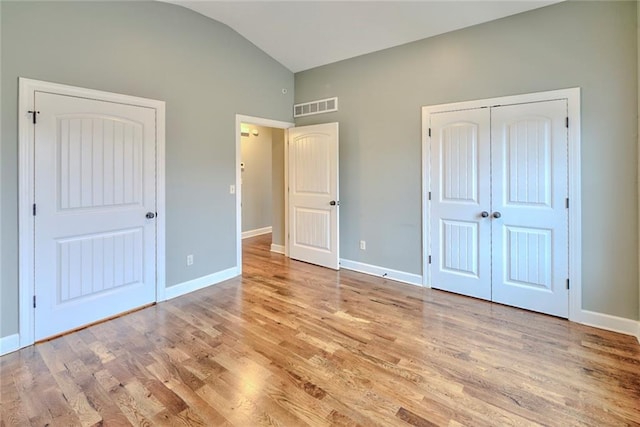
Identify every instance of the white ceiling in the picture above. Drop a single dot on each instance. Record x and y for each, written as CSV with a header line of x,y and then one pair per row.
x,y
305,34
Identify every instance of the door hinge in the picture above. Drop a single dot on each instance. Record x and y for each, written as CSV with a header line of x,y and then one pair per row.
x,y
566,123
429,259
567,203
33,114
429,132
568,287
34,301
429,195
34,209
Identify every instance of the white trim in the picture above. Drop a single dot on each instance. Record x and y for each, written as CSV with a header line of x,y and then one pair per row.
x,y
610,323
201,283
386,273
258,121
572,96
25,221
257,232
575,198
279,249
27,90
161,271
426,188
9,344
286,194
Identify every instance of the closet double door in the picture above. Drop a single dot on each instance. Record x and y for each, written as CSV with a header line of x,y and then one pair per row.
x,y
499,209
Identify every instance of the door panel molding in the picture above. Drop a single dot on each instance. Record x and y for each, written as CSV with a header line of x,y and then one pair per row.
x,y
26,135
572,97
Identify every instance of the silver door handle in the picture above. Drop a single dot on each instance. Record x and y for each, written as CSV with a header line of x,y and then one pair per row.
x,y
497,215
484,214
150,215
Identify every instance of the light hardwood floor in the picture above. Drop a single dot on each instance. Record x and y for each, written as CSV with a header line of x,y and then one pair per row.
x,y
292,344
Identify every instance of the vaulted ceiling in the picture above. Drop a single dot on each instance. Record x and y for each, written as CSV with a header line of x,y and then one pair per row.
x,y
306,34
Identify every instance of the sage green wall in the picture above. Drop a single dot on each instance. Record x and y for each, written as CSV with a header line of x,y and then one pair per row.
x,y
3,297
257,195
204,71
592,45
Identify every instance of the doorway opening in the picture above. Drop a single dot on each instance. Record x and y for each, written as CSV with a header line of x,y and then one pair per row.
x,y
310,186
261,182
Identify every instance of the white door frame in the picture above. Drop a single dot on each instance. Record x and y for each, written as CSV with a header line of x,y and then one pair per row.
x,y
26,168
258,121
572,96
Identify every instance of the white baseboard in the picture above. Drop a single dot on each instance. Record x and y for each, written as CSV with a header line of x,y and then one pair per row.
x,y
257,232
277,248
9,344
374,270
201,282
610,323
590,318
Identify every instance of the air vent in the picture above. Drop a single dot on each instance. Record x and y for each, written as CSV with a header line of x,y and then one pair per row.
x,y
315,107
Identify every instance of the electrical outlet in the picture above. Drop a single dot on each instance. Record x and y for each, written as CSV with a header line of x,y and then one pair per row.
x,y
363,245
189,260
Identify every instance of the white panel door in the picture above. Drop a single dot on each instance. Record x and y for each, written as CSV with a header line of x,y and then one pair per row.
x,y
460,226
530,186
94,185
313,194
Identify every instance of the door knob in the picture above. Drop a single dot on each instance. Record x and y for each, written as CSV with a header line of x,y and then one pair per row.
x,y
497,215
150,215
484,214
334,203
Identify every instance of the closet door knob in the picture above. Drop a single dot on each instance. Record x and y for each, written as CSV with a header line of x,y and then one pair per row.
x,y
497,215
484,214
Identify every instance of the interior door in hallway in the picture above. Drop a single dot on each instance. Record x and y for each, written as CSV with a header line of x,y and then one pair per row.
x,y
313,194
95,207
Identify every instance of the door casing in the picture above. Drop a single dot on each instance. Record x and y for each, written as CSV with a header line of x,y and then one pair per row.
x,y
26,167
572,96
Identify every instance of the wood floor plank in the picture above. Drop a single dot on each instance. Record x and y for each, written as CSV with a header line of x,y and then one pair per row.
x,y
292,344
